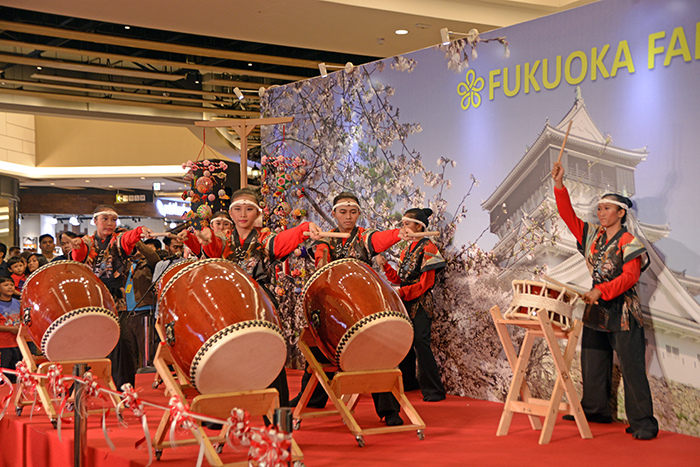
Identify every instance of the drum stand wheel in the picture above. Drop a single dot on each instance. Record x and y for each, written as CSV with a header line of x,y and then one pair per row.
x,y
101,369
256,403
345,390
536,408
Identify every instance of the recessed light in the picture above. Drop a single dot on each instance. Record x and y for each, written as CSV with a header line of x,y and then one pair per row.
x,y
401,32
38,68
143,178
250,64
127,27
52,183
87,181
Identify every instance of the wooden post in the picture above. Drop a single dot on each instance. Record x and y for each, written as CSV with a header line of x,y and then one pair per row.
x,y
243,127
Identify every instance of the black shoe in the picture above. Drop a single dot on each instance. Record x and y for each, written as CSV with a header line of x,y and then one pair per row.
x,y
393,419
629,430
593,418
644,435
434,398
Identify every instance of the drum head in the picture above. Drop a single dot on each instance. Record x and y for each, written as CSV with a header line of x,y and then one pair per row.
x,y
378,342
82,334
246,356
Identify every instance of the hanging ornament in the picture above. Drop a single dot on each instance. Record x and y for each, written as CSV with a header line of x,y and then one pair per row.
x,y
184,195
211,197
195,198
204,184
298,174
265,190
204,211
284,181
222,193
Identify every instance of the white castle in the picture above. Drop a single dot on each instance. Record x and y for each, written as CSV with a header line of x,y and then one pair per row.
x,y
594,167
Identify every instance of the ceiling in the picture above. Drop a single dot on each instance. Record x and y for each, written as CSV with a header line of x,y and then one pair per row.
x,y
173,62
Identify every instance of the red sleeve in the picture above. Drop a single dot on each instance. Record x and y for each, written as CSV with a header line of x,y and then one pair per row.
x,y
381,240
566,211
391,274
192,243
129,240
286,241
616,287
322,255
81,254
215,248
411,292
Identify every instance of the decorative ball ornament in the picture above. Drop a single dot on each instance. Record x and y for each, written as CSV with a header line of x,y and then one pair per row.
x,y
222,193
286,208
189,215
284,181
204,211
211,197
298,174
204,184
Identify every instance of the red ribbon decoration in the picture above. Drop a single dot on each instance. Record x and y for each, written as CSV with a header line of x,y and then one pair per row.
x,y
270,448
6,400
238,429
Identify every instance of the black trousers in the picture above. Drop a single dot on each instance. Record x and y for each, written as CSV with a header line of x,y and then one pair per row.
x,y
428,373
280,383
9,356
124,355
597,364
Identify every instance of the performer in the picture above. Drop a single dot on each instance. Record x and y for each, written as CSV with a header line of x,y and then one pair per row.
x,y
363,244
416,277
106,253
613,316
255,251
220,222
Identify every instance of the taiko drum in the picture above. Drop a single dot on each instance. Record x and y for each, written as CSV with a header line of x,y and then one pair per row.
x,y
69,312
221,327
357,319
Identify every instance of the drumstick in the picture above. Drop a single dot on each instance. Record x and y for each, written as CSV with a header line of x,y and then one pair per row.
x,y
159,234
561,151
330,234
556,282
423,234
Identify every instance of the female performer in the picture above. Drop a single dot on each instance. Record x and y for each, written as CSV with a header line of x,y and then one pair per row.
x,y
363,244
220,222
106,253
255,250
613,316
416,277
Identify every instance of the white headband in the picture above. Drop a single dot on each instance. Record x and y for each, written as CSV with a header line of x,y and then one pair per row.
x,y
404,218
245,201
109,213
612,201
347,204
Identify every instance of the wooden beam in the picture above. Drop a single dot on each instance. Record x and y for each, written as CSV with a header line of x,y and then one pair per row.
x,y
118,57
118,84
161,46
160,97
107,101
81,67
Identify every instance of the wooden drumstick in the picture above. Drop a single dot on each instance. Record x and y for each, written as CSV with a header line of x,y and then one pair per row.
x,y
159,234
423,234
561,151
330,234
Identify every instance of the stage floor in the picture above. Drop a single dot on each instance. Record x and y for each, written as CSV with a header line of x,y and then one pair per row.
x,y
460,431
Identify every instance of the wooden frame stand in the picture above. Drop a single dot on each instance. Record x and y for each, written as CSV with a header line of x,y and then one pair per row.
x,y
257,403
532,407
345,390
101,369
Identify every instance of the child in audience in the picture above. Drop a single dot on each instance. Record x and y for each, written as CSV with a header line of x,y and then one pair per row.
x,y
9,325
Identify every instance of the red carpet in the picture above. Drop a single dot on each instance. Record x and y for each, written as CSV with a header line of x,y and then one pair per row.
x,y
460,432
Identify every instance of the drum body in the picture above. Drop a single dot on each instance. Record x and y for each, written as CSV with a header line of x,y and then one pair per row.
x,y
531,298
221,327
359,322
168,274
69,312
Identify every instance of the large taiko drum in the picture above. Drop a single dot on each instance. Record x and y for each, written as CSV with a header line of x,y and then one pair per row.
x,y
70,312
531,298
357,319
221,327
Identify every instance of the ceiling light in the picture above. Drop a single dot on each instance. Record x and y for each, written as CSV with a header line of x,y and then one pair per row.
x,y
111,186
173,225
38,68
238,93
52,183
143,178
196,82
250,64
401,32
445,36
322,69
87,181
53,220
127,27
74,221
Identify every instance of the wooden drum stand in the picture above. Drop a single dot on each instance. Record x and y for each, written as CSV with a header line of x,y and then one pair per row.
x,y
256,403
345,390
532,309
101,369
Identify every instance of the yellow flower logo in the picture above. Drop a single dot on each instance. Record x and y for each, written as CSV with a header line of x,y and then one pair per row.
x,y
469,90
